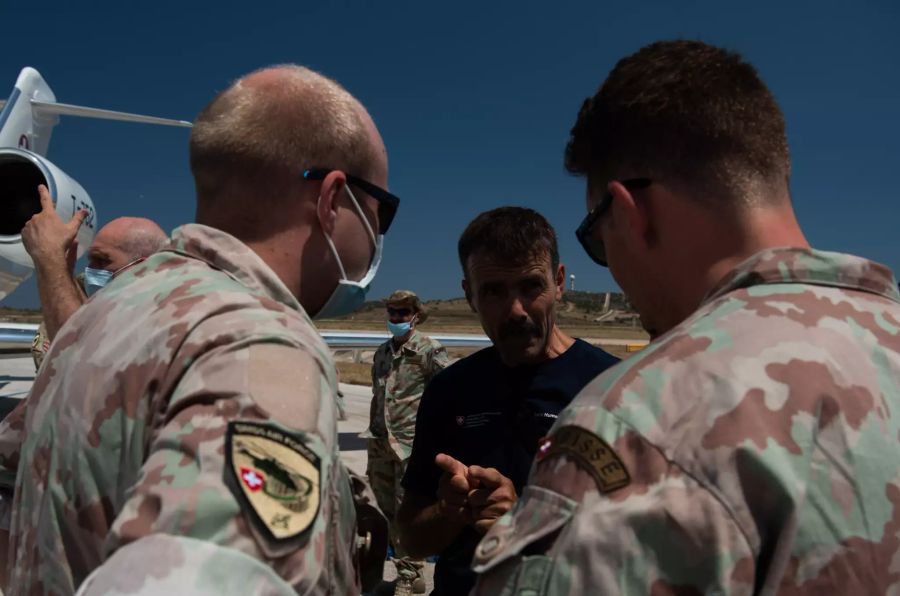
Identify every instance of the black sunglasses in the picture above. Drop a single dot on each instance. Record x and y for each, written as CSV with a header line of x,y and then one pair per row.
x,y
387,203
400,312
592,245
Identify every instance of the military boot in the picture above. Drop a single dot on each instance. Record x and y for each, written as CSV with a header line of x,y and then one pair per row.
x,y
407,586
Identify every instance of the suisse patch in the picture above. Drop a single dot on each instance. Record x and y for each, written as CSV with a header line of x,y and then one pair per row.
x,y
274,477
590,452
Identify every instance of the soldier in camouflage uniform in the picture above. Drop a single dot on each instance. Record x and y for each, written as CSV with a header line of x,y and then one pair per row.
x,y
754,446
181,434
51,244
401,369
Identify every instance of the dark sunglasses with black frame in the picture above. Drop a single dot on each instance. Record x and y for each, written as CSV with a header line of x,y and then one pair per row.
x,y
387,203
592,245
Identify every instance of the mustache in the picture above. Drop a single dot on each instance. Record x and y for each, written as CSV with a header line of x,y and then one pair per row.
x,y
519,330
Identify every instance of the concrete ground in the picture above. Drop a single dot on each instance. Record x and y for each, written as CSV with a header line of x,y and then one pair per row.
x,y
17,376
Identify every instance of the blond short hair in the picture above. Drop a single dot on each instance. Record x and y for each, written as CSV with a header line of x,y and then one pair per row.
x,y
262,136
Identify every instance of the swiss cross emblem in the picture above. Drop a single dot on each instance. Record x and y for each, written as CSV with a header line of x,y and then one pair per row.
x,y
253,479
460,420
545,444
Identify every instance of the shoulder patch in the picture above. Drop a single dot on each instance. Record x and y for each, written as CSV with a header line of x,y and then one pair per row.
x,y
275,478
590,452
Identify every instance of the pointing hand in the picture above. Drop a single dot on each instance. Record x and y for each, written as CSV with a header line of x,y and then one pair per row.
x,y
46,237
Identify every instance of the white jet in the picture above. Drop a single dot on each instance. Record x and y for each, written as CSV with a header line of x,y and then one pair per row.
x,y
26,121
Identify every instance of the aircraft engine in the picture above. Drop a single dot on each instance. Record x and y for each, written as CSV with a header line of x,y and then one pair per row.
x,y
20,173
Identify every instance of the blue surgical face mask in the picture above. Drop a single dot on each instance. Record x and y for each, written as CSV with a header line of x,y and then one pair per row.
x,y
95,279
350,295
400,329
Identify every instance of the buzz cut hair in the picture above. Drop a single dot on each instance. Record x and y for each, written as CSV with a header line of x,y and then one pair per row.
x,y
693,115
262,136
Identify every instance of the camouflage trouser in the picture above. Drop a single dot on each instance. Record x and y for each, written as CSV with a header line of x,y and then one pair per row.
x,y
40,345
385,471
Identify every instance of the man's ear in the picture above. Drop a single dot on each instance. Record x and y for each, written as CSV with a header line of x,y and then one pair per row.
x,y
632,214
560,281
333,186
468,292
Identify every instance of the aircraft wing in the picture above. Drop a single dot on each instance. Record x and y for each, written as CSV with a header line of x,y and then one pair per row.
x,y
45,107
11,275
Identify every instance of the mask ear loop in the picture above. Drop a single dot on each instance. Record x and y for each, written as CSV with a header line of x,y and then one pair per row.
x,y
362,215
337,257
365,221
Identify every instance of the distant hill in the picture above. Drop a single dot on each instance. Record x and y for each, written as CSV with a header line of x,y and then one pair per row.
x,y
20,315
577,307
589,302
593,301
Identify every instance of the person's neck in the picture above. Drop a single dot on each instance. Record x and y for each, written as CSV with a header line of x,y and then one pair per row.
x,y
722,248
281,246
281,252
558,342
399,341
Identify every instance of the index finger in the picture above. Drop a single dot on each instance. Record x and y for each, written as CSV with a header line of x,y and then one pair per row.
x,y
78,219
46,199
450,465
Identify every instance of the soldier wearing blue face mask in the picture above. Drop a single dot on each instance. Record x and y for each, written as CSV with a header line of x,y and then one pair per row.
x,y
51,244
401,369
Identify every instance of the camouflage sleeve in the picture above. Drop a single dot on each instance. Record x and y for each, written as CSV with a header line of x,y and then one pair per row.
x,y
12,433
163,564
11,436
583,525
6,503
439,360
245,459
377,359
40,345
374,370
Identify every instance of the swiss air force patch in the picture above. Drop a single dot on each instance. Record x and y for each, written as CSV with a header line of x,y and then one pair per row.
x,y
274,477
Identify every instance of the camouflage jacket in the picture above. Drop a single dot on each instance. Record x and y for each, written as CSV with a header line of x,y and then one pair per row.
x,y
398,381
181,436
752,449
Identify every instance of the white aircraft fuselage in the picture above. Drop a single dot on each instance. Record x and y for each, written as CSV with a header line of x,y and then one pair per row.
x,y
27,119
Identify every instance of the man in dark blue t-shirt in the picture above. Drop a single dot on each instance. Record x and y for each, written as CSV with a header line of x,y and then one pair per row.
x,y
480,420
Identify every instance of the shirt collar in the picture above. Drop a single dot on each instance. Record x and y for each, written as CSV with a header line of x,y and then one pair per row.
x,y
226,253
808,266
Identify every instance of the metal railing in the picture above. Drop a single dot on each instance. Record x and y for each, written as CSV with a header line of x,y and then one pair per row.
x,y
368,339
17,337
15,333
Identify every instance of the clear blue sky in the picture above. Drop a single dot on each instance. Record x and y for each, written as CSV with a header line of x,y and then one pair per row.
x,y
474,100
